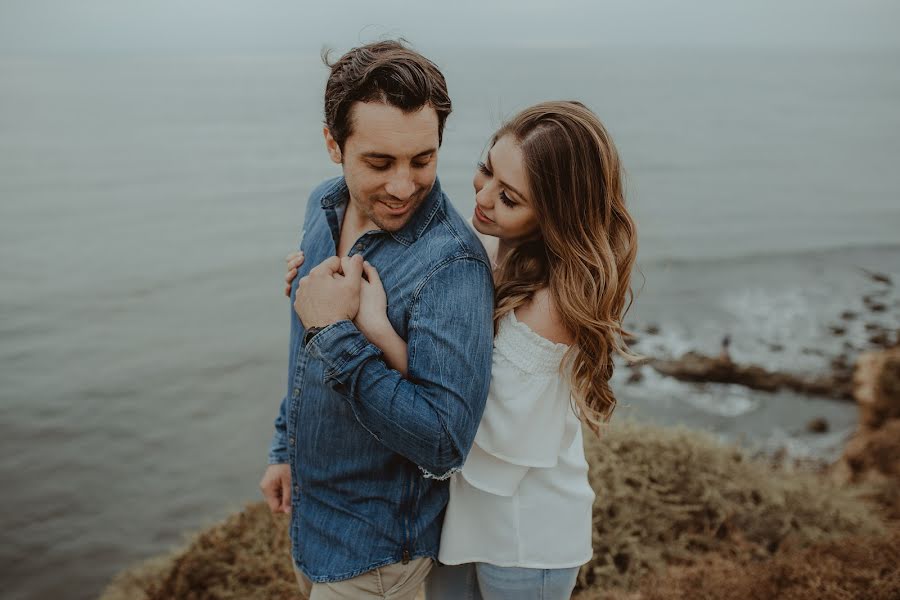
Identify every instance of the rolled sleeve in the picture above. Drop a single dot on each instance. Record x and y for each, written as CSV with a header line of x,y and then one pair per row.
x,y
338,344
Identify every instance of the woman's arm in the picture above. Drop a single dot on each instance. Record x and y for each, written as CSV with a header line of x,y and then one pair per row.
x,y
372,318
372,321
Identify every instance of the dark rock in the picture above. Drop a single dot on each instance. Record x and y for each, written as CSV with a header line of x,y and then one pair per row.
x,y
879,277
880,339
817,425
652,329
837,329
848,315
839,363
699,368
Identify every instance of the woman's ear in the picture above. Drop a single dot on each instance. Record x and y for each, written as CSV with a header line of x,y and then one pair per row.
x,y
334,150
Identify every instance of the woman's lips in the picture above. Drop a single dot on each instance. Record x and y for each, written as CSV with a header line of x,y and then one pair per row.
x,y
481,216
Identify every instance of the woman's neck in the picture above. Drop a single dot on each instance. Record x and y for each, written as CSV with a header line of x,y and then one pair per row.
x,y
503,249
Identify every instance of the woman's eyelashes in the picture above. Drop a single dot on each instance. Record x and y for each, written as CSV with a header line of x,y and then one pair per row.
x,y
504,198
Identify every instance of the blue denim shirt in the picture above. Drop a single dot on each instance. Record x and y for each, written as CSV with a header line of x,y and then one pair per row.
x,y
370,451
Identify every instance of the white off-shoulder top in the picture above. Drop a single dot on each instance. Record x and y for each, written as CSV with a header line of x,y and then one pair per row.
x,y
522,498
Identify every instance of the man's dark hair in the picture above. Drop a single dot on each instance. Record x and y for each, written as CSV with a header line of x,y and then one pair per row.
x,y
386,72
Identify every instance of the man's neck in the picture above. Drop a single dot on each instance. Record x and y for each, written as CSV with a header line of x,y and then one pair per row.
x,y
356,221
355,224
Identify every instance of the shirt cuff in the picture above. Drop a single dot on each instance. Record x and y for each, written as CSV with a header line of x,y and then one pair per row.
x,y
337,344
278,459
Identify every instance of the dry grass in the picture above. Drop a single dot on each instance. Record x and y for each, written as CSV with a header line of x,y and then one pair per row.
x,y
666,499
246,557
666,496
854,568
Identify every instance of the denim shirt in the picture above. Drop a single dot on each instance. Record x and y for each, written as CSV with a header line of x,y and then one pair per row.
x,y
370,451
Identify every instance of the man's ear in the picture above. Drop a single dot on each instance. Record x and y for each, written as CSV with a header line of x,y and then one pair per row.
x,y
334,151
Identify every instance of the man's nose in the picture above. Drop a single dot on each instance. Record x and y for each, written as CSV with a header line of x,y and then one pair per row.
x,y
401,184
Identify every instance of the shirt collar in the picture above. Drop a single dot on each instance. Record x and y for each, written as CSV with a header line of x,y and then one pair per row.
x,y
338,193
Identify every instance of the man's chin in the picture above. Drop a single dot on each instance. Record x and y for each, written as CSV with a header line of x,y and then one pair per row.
x,y
390,223
393,219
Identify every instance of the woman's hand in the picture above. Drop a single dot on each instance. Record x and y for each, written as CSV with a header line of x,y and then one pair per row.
x,y
294,261
372,319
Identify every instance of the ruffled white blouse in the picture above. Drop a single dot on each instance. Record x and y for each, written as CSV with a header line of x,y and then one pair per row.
x,y
522,498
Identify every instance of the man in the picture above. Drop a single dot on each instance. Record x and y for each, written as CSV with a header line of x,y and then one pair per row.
x,y
360,455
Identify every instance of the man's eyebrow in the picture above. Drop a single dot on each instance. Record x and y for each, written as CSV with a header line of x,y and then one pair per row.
x,y
382,156
503,183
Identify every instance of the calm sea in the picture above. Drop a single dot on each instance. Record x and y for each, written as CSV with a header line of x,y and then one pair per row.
x,y
146,205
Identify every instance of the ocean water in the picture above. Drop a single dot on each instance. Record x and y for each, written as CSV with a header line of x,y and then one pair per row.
x,y
146,204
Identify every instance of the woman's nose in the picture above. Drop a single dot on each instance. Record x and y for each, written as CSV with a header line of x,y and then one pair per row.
x,y
482,198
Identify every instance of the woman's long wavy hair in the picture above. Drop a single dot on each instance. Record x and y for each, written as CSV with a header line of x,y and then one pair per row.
x,y
587,244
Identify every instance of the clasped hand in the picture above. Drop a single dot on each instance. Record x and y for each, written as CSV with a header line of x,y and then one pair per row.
x,y
340,289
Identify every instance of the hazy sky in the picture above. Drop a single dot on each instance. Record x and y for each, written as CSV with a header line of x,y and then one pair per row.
x,y
279,25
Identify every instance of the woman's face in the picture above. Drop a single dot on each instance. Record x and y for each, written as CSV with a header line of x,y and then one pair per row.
x,y
503,206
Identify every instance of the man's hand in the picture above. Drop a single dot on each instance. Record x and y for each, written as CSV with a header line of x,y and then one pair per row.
x,y
276,487
330,293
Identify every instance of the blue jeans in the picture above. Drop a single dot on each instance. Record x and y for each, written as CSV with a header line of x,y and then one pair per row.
x,y
481,581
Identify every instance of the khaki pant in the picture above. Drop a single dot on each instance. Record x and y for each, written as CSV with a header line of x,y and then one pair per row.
x,y
390,582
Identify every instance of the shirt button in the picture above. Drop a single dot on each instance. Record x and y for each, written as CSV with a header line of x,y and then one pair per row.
x,y
292,440
297,489
359,247
296,392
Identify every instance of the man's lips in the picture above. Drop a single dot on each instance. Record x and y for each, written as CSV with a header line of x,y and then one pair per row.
x,y
395,209
481,216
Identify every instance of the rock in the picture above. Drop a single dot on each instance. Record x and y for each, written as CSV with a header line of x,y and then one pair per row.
x,y
635,377
652,329
817,425
880,339
837,329
876,386
879,277
694,366
872,304
839,363
848,315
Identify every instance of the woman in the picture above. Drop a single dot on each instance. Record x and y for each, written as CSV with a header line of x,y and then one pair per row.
x,y
550,207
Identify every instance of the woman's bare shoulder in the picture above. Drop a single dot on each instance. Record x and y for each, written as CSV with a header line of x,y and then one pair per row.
x,y
541,315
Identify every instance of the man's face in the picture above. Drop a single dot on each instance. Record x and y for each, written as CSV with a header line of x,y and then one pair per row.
x,y
389,161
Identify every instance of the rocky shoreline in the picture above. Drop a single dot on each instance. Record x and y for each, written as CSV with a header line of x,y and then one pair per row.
x,y
678,515
835,383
